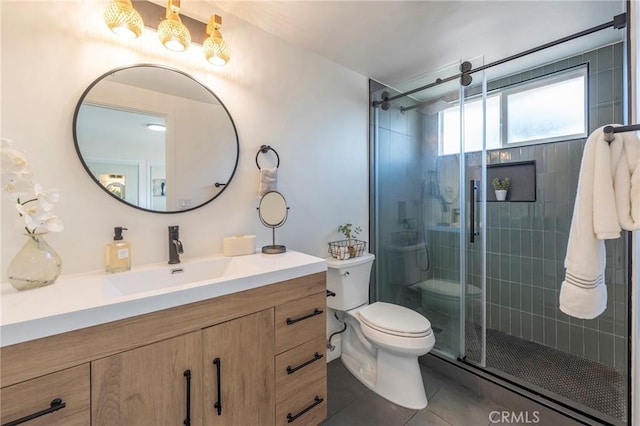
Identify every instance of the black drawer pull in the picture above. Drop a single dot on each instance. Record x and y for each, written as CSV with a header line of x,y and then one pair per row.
x,y
56,405
187,420
316,356
315,312
316,401
218,404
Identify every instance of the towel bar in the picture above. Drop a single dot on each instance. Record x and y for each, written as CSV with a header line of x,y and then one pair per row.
x,y
609,131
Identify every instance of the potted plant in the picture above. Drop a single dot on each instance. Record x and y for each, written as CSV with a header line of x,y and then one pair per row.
x,y
350,234
501,187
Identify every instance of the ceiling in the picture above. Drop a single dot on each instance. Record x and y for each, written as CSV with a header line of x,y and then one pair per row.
x,y
401,43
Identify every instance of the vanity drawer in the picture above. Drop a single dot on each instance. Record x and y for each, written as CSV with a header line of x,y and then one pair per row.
x,y
300,320
307,407
35,396
298,368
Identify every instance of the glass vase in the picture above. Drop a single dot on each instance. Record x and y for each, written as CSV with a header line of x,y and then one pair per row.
x,y
36,264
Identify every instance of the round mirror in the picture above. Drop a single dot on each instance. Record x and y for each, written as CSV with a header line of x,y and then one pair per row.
x,y
155,138
273,209
449,178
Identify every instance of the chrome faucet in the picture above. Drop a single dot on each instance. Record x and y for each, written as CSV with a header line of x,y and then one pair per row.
x,y
175,245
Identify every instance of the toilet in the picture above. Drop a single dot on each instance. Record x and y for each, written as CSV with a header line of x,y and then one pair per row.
x,y
382,341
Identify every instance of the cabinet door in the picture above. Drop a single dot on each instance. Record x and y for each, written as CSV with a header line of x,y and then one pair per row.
x,y
241,381
66,392
149,385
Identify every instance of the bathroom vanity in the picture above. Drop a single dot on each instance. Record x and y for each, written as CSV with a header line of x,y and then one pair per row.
x,y
245,348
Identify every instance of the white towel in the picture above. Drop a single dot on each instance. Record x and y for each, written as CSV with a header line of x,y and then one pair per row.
x,y
267,181
607,201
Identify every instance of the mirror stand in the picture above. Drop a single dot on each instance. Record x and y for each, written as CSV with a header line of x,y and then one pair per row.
x,y
273,248
273,211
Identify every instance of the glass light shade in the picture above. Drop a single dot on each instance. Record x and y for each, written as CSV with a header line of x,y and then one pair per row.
x,y
123,19
173,34
216,50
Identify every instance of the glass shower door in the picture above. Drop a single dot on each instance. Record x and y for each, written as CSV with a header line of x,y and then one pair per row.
x,y
476,108
419,207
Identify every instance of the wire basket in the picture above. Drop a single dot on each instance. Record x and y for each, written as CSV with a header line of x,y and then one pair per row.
x,y
341,250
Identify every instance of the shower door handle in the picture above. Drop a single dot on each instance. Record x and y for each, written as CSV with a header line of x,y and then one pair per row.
x,y
473,186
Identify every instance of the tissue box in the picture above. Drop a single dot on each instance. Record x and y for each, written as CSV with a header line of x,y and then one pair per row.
x,y
239,245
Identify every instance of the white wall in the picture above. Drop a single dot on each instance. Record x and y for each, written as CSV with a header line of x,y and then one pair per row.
x,y
311,110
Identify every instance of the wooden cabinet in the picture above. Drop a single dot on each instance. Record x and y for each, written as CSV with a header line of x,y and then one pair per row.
x,y
227,369
301,366
158,368
238,371
66,391
151,385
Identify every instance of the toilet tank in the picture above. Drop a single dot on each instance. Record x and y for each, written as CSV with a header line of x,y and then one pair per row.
x,y
349,280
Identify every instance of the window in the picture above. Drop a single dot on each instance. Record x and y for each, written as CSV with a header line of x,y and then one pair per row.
x,y
547,109
450,122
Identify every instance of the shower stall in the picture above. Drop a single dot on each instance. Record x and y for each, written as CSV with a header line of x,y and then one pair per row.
x,y
487,273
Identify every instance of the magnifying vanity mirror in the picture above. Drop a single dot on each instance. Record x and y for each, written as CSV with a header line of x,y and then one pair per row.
x,y
155,138
273,212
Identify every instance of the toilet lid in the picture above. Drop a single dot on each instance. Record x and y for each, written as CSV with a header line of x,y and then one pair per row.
x,y
395,319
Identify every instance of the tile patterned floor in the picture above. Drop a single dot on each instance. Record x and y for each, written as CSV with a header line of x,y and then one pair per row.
x,y
352,404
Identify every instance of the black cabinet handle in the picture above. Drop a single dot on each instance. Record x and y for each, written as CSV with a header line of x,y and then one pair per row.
x,y
187,420
331,293
292,418
316,356
315,312
56,405
218,404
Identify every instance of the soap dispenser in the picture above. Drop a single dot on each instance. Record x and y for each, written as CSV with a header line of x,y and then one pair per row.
x,y
118,252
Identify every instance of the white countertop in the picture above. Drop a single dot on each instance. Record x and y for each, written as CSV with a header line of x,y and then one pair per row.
x,y
84,300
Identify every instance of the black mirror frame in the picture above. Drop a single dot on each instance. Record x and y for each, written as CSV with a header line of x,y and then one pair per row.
x,y
88,170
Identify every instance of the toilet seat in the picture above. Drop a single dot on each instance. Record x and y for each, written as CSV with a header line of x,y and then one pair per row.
x,y
394,320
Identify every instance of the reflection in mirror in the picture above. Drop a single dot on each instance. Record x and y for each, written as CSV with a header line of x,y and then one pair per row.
x,y
273,213
448,178
170,138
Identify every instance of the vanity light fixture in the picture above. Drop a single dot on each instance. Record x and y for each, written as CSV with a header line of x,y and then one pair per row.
x,y
156,127
172,32
214,47
123,19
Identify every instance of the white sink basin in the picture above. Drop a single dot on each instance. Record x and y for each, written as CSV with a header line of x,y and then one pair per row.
x,y
186,273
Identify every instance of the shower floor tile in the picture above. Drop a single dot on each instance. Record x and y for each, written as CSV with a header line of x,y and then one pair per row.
x,y
589,383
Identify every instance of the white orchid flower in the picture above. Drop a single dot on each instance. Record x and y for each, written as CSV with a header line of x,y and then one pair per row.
x,y
46,198
35,216
16,175
17,185
12,159
34,204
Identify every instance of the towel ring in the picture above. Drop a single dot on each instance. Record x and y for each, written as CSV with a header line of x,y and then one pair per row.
x,y
264,149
